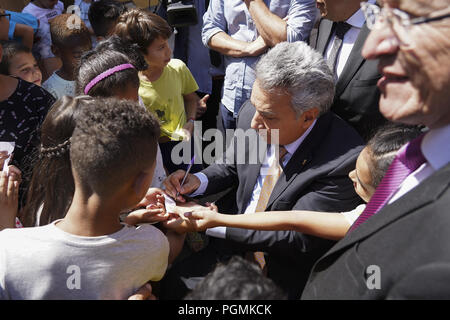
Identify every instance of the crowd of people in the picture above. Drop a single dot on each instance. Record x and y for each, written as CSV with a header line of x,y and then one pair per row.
x,y
334,183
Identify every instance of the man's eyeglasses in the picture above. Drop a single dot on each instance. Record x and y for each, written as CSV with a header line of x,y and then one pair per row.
x,y
399,20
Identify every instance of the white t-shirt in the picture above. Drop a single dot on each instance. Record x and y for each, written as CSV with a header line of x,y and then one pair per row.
x,y
42,47
59,87
48,263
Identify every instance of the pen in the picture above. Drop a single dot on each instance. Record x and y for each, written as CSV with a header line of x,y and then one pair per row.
x,y
185,175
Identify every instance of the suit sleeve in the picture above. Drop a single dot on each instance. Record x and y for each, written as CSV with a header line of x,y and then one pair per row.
x,y
332,193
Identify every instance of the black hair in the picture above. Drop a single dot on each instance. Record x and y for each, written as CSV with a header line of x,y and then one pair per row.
x,y
52,183
113,141
239,279
103,16
115,43
10,50
96,62
385,143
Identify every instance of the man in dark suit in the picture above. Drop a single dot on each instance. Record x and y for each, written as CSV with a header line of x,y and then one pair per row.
x,y
291,97
340,38
402,251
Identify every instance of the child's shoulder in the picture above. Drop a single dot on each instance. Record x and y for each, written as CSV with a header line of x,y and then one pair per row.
x,y
176,64
148,232
21,235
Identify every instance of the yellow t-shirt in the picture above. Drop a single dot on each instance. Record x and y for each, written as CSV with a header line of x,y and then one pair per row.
x,y
164,97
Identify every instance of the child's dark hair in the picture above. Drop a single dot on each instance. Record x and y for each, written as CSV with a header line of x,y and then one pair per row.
x,y
238,279
132,52
103,15
141,27
97,62
10,50
384,145
52,183
113,141
63,35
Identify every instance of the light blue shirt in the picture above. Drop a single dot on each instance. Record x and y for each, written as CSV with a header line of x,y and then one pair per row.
x,y
21,18
235,20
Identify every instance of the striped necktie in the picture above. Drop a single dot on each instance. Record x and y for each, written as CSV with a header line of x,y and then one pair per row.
x,y
408,159
341,29
266,190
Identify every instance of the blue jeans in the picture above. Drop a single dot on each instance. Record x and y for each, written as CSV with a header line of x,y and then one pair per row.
x,y
228,119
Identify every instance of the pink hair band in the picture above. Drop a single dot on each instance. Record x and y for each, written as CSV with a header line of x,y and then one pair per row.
x,y
106,74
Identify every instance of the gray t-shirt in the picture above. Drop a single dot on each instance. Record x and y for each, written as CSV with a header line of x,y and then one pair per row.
x,y
48,263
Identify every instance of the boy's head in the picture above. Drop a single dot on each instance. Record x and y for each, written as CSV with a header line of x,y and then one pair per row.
x,y
18,61
149,31
377,156
121,83
113,149
103,16
69,40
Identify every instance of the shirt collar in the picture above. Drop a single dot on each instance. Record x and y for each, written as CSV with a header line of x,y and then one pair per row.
x,y
433,147
292,147
357,20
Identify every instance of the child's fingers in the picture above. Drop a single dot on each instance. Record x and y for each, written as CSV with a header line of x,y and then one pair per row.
x,y
212,206
13,170
194,215
3,184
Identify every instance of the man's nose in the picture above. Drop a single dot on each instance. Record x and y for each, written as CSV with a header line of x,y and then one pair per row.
x,y
381,41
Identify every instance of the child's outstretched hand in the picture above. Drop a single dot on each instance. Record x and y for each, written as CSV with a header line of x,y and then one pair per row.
x,y
3,156
181,220
9,197
154,196
152,214
203,219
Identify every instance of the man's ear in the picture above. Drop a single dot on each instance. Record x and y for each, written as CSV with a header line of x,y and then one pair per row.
x,y
310,115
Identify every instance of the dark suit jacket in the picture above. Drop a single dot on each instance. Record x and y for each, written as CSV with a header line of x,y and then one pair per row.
x,y
357,95
315,178
408,240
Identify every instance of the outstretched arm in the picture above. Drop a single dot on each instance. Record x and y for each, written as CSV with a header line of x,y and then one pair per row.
x,y
326,225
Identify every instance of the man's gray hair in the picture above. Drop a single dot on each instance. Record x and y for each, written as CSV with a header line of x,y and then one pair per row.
x,y
301,72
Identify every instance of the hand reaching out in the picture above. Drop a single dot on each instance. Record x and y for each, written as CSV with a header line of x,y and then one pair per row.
x,y
154,210
9,197
188,218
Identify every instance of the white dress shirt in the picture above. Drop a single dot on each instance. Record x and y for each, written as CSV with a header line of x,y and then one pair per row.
x,y
219,232
437,155
357,20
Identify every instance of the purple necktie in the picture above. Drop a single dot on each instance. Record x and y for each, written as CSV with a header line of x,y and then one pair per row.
x,y
408,159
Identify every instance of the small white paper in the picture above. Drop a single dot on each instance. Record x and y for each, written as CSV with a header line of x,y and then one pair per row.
x,y
169,203
9,148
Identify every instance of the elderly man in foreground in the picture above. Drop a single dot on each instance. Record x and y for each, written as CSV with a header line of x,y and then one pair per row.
x,y
399,248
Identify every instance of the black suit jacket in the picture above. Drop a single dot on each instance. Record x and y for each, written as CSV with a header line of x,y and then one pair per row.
x,y
315,178
357,95
408,240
